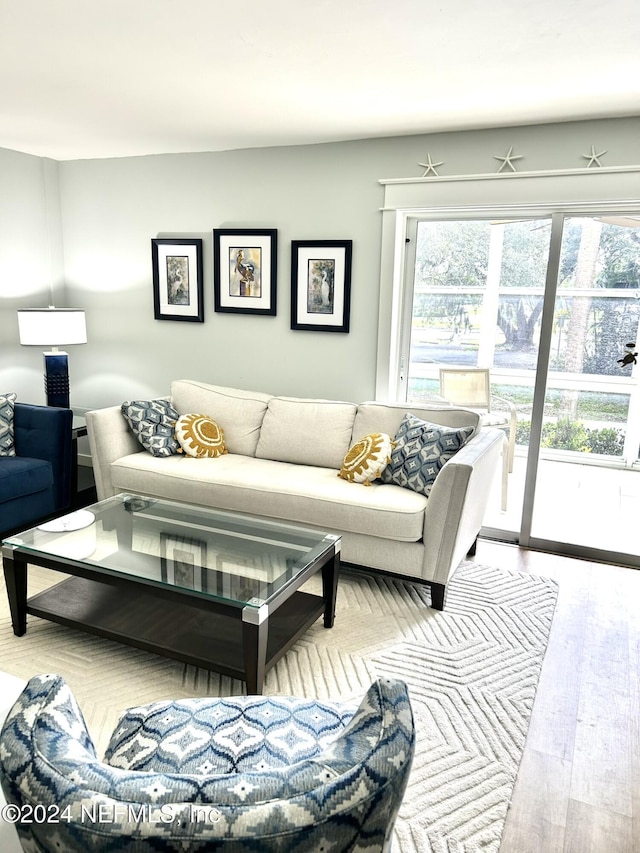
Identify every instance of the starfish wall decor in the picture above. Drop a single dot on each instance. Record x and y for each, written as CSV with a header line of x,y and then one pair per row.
x,y
430,166
593,158
508,159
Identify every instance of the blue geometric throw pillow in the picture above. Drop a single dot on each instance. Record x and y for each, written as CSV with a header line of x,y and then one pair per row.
x,y
421,449
6,424
153,422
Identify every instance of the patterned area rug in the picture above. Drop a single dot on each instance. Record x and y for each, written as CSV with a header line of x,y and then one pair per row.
x,y
472,672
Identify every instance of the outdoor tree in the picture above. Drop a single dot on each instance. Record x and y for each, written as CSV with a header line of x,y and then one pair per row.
x,y
583,278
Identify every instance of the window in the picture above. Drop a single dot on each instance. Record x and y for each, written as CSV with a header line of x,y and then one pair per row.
x,y
477,297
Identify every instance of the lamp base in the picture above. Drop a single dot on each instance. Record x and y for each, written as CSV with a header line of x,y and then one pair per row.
x,y
56,379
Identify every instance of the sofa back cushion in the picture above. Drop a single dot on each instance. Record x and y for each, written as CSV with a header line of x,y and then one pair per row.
x,y
238,413
306,431
387,417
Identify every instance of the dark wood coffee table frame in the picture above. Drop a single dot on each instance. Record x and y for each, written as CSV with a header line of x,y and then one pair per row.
x,y
241,642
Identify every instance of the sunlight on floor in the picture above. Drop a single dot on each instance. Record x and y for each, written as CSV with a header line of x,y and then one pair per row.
x,y
580,504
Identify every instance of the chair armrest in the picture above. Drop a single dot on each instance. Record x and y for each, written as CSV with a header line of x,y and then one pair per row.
x,y
109,439
457,504
513,424
45,432
506,402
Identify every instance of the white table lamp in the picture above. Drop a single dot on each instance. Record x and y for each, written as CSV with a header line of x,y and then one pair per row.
x,y
53,327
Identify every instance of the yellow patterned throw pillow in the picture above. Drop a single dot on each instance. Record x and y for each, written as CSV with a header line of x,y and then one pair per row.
x,y
200,436
367,458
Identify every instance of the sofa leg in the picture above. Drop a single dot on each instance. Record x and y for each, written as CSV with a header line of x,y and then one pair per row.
x,y
472,551
438,595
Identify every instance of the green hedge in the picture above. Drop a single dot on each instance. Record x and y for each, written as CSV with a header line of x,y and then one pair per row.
x,y
566,434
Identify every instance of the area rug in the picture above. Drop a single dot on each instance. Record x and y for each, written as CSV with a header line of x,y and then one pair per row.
x,y
472,672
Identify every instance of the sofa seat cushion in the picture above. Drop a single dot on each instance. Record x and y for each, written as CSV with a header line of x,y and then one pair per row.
x,y
301,494
21,476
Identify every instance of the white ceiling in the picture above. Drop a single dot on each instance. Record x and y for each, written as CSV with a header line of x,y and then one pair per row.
x,y
112,78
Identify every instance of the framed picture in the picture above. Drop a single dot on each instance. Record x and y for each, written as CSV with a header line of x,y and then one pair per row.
x,y
177,279
234,577
183,561
244,270
320,285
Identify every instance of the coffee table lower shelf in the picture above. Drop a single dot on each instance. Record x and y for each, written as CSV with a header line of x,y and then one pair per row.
x,y
172,628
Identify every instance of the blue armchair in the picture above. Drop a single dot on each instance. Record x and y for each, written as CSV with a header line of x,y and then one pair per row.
x,y
36,483
248,774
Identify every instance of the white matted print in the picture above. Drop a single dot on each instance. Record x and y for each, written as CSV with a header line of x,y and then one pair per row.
x,y
321,285
177,279
244,270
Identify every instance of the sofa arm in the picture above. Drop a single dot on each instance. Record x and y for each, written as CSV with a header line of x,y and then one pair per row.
x,y
457,504
45,432
109,439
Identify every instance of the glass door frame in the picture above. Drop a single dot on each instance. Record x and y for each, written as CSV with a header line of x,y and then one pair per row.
x,y
541,378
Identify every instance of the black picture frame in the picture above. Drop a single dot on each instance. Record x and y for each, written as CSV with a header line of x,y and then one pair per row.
x,y
245,266
321,285
178,284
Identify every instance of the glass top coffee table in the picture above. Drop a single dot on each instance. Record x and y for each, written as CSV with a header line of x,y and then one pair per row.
x,y
217,590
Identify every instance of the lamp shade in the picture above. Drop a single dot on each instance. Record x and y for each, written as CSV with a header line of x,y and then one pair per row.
x,y
52,326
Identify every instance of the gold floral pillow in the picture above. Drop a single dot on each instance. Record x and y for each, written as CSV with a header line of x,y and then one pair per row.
x,y
200,436
368,457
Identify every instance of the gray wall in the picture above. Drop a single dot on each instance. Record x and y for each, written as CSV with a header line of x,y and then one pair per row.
x,y
30,261
110,210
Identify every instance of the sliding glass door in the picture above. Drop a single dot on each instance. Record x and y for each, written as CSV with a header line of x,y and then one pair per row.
x,y
590,418
550,324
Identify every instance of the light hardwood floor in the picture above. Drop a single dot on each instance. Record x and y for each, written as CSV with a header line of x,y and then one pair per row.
x,y
578,786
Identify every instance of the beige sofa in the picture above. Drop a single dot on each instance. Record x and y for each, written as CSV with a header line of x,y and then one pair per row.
x,y
283,459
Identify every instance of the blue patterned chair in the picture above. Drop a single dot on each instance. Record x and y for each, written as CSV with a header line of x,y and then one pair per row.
x,y
242,774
